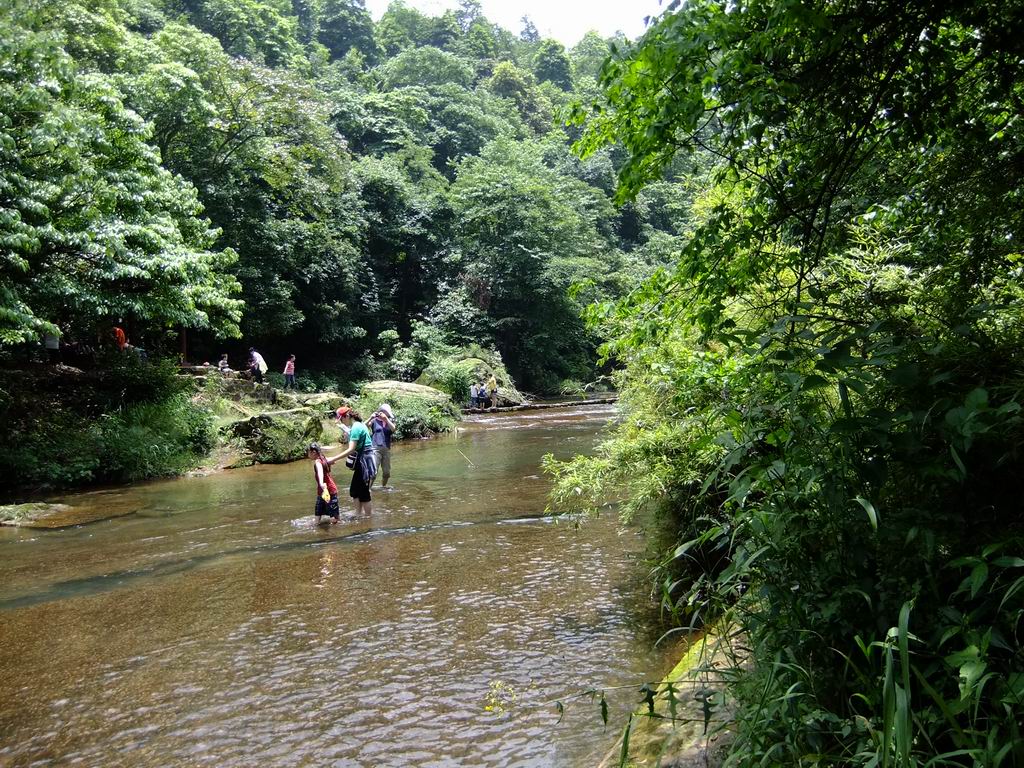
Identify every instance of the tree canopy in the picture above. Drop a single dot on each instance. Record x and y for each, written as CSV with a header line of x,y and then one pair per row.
x,y
296,173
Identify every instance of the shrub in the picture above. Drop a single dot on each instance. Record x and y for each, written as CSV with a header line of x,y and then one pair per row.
x,y
414,416
153,439
572,388
129,422
450,377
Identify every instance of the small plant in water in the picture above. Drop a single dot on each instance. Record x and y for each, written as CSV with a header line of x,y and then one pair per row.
x,y
500,697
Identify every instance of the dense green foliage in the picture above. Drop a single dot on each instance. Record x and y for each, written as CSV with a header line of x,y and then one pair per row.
x,y
823,391
92,225
415,416
124,423
296,173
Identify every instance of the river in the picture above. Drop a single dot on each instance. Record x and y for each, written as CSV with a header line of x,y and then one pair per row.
x,y
216,625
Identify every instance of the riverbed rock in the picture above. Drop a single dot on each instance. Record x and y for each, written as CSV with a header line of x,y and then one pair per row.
x,y
27,514
246,390
325,402
275,437
50,515
385,387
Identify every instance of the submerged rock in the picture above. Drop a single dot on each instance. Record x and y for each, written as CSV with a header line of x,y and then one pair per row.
x,y
27,514
40,514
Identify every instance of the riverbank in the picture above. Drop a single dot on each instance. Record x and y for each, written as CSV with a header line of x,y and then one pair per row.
x,y
129,420
686,723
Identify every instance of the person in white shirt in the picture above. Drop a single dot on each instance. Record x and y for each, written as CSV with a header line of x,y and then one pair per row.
x,y
257,365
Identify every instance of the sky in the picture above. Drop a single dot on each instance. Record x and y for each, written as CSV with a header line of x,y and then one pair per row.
x,y
564,20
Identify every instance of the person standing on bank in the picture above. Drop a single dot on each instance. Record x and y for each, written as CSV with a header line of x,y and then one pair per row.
x,y
359,456
382,427
51,342
326,489
289,372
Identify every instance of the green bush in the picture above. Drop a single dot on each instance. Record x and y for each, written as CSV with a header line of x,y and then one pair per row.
x,y
850,498
154,439
139,441
280,440
129,422
414,416
452,378
572,388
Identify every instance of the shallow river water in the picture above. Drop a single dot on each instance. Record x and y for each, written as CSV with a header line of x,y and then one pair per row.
x,y
216,625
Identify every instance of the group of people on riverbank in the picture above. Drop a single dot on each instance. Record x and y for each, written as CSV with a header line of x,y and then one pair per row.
x,y
484,395
367,454
257,368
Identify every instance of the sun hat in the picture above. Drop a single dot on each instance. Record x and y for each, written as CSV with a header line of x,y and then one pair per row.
x,y
343,411
387,409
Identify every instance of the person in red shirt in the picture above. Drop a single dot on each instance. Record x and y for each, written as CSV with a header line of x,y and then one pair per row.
x,y
289,373
120,338
326,490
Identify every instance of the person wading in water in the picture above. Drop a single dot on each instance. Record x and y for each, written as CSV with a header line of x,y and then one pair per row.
x,y
362,461
382,427
326,489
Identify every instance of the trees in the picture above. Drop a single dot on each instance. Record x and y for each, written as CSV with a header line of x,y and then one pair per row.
x,y
519,87
526,234
273,175
426,66
325,174
529,33
344,25
93,226
259,30
835,345
551,64
403,27
589,54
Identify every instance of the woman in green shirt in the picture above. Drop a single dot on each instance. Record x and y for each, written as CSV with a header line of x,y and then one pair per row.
x,y
360,445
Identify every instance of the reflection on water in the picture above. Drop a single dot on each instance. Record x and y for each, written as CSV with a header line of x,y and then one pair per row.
x,y
217,625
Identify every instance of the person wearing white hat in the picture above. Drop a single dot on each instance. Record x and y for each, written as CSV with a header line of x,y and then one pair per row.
x,y
382,426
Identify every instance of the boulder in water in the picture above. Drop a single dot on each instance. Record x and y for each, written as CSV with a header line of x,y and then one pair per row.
x,y
386,387
275,437
322,401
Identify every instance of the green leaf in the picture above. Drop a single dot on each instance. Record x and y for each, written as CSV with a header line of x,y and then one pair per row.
x,y
870,509
979,574
624,751
977,399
